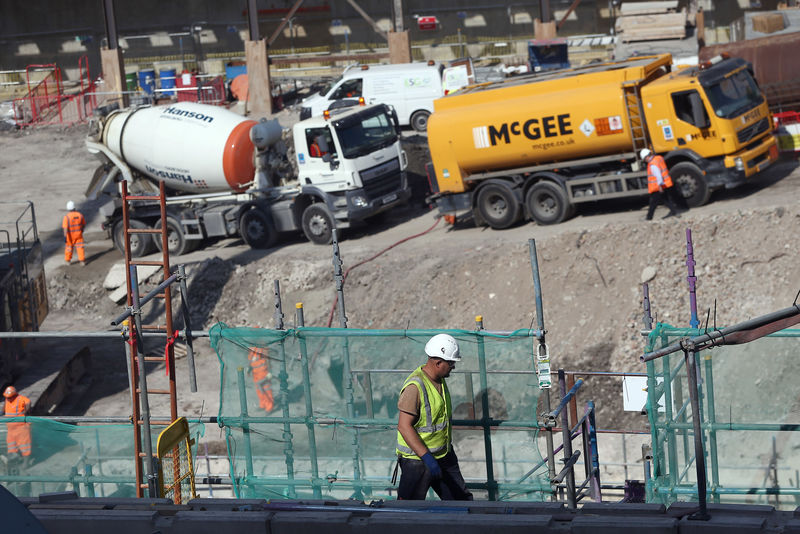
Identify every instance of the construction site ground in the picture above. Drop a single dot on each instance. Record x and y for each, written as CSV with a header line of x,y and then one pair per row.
x,y
592,267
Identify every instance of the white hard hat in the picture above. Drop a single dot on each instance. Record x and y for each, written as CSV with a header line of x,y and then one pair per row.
x,y
70,205
643,153
443,346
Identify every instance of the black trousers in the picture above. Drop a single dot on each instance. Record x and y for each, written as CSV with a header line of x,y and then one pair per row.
x,y
655,200
415,480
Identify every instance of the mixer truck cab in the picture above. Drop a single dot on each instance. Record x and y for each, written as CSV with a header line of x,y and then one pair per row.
x,y
229,176
351,160
539,146
409,88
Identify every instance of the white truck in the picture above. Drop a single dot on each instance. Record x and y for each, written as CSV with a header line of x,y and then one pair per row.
x,y
410,88
227,175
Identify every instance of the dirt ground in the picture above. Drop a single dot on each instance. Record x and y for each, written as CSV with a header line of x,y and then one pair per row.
x,y
592,267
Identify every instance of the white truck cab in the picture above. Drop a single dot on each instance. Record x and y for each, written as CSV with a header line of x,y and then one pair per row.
x,y
351,158
410,88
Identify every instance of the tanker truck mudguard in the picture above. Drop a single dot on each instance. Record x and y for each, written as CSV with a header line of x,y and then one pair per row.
x,y
230,176
538,146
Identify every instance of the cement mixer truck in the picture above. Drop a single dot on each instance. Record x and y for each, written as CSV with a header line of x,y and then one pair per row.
x,y
539,146
229,176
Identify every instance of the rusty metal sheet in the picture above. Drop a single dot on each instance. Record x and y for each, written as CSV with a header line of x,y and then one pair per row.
x,y
776,63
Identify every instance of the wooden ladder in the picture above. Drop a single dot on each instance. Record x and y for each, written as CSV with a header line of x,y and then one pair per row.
x,y
146,471
633,104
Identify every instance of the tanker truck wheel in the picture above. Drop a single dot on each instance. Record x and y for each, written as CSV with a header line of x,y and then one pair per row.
x,y
256,229
689,178
318,224
498,206
177,243
141,244
547,203
419,120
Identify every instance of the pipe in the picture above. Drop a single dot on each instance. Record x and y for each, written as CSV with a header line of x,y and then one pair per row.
x,y
101,334
187,323
248,450
692,279
551,417
312,439
283,380
487,436
147,298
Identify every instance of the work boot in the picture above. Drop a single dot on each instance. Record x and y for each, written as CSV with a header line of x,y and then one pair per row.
x,y
83,264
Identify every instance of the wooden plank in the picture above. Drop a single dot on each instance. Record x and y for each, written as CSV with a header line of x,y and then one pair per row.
x,y
655,21
641,8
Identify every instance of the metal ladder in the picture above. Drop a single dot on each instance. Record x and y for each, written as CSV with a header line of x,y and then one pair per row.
x,y
146,468
633,104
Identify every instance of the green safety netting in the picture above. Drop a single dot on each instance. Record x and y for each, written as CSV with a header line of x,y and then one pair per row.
x,y
331,431
92,460
750,415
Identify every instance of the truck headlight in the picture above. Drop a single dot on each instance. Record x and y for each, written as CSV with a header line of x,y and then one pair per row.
x,y
359,201
739,164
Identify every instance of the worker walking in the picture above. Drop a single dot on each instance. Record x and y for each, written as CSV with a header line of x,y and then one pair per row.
x,y
72,226
18,437
424,430
259,365
659,184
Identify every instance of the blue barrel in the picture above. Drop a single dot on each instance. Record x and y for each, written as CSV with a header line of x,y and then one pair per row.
x,y
147,80
167,79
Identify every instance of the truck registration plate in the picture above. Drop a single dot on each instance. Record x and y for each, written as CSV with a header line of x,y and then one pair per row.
x,y
390,198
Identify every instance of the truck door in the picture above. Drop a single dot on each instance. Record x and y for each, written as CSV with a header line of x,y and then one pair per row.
x,y
314,169
692,125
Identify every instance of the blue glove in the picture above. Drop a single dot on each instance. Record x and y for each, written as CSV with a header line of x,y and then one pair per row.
x,y
432,465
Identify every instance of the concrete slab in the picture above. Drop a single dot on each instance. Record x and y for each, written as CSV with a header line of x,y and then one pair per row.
x,y
115,276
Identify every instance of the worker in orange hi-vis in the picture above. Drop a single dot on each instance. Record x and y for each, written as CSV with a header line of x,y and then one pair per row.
x,y
18,438
259,365
72,225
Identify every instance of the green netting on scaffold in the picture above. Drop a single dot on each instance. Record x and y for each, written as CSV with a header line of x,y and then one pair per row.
x,y
750,416
92,460
312,412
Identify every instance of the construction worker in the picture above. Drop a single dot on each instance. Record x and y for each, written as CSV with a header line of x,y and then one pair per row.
x,y
18,438
72,225
659,184
424,431
259,365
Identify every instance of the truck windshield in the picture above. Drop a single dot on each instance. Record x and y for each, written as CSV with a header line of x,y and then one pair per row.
x,y
364,133
734,95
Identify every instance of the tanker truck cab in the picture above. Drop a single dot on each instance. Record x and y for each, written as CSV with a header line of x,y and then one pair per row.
x,y
350,167
712,125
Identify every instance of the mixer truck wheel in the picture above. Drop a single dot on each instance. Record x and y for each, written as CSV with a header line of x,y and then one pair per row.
x,y
547,203
141,244
176,241
419,120
689,178
498,206
256,229
318,224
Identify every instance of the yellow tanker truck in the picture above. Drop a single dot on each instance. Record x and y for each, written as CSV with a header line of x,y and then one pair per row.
x,y
538,146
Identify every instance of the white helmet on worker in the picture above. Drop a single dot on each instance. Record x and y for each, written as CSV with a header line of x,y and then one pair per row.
x,y
643,153
70,205
10,392
443,346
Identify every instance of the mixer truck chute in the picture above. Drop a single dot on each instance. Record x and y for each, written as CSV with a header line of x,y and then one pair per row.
x,y
539,146
229,176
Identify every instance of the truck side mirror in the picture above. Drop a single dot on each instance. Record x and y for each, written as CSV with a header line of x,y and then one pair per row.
x,y
331,159
699,115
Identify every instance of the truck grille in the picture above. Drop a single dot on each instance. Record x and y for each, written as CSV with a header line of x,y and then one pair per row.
x,y
381,179
746,134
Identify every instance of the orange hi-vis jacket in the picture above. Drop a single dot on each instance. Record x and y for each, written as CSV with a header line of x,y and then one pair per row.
x,y
19,434
73,224
259,364
652,181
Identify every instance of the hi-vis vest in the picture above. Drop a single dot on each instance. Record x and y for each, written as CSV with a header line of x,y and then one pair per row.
x,y
433,424
652,182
